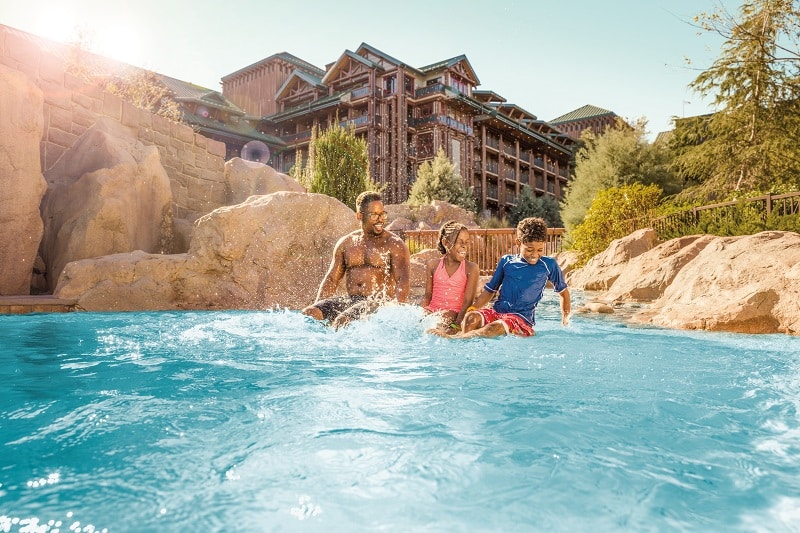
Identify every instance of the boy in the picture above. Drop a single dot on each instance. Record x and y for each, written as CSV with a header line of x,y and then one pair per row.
x,y
520,280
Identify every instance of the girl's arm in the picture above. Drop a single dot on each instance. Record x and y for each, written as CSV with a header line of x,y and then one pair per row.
x,y
430,268
473,277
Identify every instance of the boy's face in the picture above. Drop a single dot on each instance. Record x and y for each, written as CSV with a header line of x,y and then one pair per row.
x,y
531,251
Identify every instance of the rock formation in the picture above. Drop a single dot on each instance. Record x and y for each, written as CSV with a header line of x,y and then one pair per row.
x,y
247,178
747,284
21,182
107,194
269,251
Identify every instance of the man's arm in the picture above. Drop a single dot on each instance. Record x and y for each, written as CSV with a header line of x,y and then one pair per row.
x,y
401,270
335,272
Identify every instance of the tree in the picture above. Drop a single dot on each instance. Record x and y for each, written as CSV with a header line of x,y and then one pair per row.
x,y
338,164
609,217
619,156
438,180
750,142
530,205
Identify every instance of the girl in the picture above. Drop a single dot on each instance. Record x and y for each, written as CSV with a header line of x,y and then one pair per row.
x,y
451,282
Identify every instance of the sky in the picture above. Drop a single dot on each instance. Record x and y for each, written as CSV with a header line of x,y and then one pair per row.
x,y
633,57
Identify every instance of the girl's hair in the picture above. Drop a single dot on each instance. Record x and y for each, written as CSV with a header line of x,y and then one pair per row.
x,y
449,231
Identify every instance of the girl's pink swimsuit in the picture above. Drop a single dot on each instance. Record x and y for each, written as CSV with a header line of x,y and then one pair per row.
x,y
448,291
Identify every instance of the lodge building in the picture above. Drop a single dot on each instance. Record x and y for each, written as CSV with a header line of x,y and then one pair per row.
x,y
406,115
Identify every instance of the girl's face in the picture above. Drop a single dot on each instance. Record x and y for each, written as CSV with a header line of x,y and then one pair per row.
x,y
457,251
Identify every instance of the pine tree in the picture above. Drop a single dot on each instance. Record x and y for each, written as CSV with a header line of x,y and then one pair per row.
x,y
530,205
750,142
338,164
438,180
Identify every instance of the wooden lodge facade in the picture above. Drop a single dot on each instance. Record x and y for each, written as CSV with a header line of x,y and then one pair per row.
x,y
406,115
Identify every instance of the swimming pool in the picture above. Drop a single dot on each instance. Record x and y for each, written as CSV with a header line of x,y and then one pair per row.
x,y
265,421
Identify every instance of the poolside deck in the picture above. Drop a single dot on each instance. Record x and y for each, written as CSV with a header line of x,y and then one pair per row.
x,y
45,303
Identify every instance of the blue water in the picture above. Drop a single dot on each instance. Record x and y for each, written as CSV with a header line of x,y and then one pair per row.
x,y
266,421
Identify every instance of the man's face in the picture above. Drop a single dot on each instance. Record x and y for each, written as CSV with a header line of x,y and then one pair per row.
x,y
373,218
531,251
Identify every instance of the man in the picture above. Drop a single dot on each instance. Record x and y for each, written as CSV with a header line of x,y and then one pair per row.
x,y
375,263
518,281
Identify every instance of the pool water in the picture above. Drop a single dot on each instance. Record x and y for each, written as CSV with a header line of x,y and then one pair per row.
x,y
267,421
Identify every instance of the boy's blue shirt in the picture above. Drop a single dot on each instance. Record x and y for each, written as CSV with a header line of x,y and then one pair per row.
x,y
522,284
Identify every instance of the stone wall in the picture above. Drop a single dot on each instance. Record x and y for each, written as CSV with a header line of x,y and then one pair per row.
x,y
193,163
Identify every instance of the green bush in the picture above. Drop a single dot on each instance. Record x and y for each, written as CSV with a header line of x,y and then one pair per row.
x,y
438,180
610,217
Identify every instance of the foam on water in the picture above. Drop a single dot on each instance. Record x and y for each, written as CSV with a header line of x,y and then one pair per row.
x,y
254,421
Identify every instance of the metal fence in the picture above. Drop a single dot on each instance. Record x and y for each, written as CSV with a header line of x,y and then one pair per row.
x,y
486,246
675,224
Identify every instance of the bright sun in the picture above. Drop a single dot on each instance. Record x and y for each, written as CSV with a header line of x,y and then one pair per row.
x,y
113,41
120,43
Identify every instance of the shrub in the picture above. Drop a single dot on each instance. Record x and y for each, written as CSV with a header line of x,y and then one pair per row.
x,y
609,217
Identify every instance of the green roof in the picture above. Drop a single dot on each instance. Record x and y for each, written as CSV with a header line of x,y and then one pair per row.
x,y
582,113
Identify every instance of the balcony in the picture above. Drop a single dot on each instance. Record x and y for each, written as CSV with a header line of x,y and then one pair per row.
x,y
297,137
443,120
525,156
493,142
539,162
525,178
436,88
357,122
360,93
491,166
510,174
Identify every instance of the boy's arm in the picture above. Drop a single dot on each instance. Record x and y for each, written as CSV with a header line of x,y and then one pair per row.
x,y
566,307
483,299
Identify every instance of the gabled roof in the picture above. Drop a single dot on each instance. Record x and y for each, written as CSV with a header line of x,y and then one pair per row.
x,y
582,113
449,63
488,96
366,48
282,56
296,74
346,56
516,112
183,91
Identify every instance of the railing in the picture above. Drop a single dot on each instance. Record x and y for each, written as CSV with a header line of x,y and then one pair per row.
x,y
359,93
493,142
362,120
674,224
441,119
486,246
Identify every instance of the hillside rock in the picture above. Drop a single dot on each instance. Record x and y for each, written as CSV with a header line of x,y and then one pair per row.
x,y
22,184
269,251
747,284
107,194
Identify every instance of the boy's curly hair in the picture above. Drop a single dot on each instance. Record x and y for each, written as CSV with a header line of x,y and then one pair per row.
x,y
532,229
449,231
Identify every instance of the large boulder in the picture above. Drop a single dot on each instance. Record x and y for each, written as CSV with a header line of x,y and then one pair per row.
x,y
244,178
600,273
647,276
22,184
747,284
269,251
107,194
